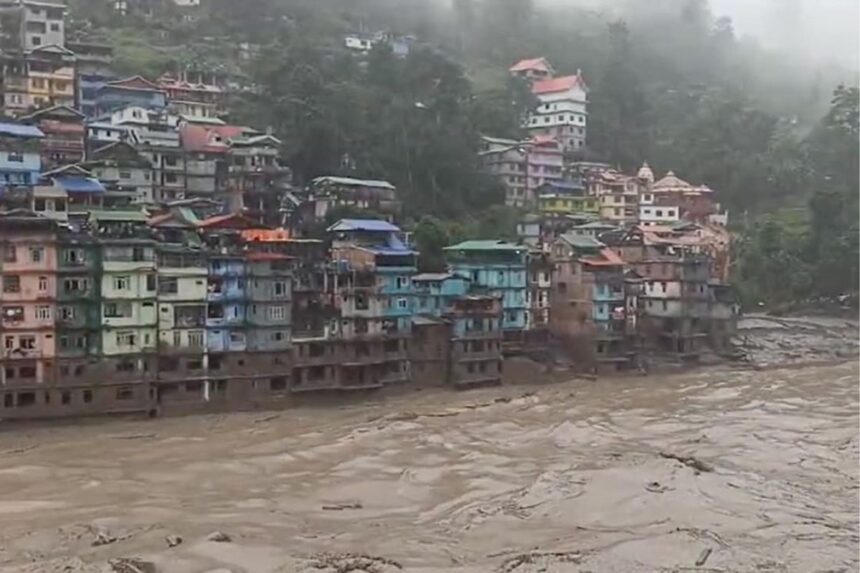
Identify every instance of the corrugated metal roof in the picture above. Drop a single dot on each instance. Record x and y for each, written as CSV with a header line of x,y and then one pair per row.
x,y
80,184
486,245
434,277
374,225
133,216
582,241
352,182
20,130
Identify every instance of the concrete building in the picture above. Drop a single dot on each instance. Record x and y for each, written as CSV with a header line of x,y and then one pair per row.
x,y
64,131
93,69
506,160
562,113
123,170
194,94
29,306
476,342
255,177
30,24
20,158
330,192
566,197
618,196
499,269
133,91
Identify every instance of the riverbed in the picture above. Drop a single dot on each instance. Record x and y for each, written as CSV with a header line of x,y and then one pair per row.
x,y
576,476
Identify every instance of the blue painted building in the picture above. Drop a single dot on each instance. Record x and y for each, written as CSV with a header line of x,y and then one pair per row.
x,y
134,91
495,268
20,159
226,304
435,292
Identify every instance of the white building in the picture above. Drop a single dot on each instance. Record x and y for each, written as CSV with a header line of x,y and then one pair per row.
x,y
562,112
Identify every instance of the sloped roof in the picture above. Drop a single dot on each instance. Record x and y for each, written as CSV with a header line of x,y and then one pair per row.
x,y
130,216
134,83
561,84
20,130
77,184
55,111
349,181
373,225
671,182
229,221
486,245
581,241
434,277
207,138
532,64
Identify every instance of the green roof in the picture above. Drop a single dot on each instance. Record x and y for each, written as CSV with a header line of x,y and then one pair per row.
x,y
132,216
486,245
581,241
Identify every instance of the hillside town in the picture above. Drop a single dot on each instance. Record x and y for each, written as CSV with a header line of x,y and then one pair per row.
x,y
157,258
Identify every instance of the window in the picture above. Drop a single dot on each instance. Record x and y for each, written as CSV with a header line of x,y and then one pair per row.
x,y
402,282
9,254
170,178
9,342
123,174
38,83
43,312
278,336
125,393
150,282
27,372
43,284
26,399
402,303
75,285
27,343
66,397
177,338
13,313
280,288
55,27
39,205
195,338
121,283
168,285
126,338
74,256
665,305
277,312
37,254
88,396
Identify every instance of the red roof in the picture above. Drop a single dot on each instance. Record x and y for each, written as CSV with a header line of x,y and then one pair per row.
x,y
531,64
608,258
228,221
561,84
208,138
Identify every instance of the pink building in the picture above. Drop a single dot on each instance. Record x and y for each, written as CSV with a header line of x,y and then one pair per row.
x,y
27,306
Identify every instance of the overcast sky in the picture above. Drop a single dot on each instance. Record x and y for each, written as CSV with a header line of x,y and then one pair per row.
x,y
823,29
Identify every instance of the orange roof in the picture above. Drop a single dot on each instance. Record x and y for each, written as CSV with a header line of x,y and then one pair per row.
x,y
531,64
238,220
265,235
561,84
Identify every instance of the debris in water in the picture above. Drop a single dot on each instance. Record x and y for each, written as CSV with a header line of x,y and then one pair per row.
x,y
219,537
131,565
103,538
689,461
352,562
703,556
173,540
656,487
341,506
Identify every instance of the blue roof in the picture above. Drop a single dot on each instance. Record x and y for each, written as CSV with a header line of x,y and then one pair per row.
x,y
376,225
80,184
20,130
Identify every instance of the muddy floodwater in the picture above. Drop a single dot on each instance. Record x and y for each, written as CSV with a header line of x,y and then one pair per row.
x,y
575,476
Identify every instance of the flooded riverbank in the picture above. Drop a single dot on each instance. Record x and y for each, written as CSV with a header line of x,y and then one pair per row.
x,y
577,476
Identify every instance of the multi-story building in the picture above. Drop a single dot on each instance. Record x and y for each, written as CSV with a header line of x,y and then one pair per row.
x,y
538,294
123,170
50,77
20,160
562,113
522,166
28,298
256,180
63,128
133,91
128,298
329,192
476,340
506,160
182,308
618,196
194,94
375,295
93,69
589,303
499,269
207,149
78,319
30,24
566,197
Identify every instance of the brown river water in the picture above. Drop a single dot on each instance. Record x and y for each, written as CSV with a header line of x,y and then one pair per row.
x,y
556,478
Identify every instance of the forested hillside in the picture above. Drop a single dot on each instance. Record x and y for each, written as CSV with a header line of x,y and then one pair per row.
x,y
669,83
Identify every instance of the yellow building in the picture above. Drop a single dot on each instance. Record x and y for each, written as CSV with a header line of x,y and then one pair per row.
x,y
564,198
51,77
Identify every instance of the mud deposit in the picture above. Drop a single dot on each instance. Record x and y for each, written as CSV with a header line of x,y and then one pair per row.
x,y
733,470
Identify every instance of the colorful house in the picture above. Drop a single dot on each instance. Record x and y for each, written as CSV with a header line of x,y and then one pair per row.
x,y
496,268
20,159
